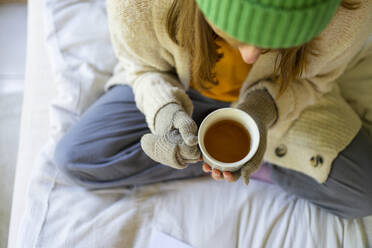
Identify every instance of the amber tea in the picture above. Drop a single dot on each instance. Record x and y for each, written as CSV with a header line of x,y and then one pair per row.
x,y
227,141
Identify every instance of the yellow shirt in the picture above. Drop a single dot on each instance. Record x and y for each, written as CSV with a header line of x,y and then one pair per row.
x,y
231,71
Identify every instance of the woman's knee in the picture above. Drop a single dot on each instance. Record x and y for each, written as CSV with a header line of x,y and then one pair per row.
x,y
107,134
341,198
82,163
350,205
359,209
351,174
92,167
67,157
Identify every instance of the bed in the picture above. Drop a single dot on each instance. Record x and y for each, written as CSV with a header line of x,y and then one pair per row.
x,y
69,58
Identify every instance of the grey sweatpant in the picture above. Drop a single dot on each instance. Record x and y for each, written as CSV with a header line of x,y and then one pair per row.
x,y
103,150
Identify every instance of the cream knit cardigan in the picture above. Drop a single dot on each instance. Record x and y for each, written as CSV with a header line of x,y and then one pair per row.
x,y
314,122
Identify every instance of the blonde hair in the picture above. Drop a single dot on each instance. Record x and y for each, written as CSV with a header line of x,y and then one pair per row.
x,y
188,28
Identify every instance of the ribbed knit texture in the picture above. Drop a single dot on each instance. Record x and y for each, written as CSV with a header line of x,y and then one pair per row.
x,y
260,105
270,23
317,130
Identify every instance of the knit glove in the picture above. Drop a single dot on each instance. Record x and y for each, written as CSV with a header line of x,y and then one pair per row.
x,y
261,107
175,141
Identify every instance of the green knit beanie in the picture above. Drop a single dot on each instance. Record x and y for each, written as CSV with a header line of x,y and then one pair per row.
x,y
270,23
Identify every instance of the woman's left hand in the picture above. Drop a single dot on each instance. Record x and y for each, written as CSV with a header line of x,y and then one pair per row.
x,y
218,175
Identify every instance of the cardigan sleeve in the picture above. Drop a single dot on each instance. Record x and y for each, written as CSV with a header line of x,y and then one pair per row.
x,y
144,64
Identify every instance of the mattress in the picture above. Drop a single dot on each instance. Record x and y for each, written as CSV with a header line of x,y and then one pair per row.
x,y
68,62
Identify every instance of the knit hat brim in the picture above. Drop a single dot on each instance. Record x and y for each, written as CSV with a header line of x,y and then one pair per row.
x,y
269,26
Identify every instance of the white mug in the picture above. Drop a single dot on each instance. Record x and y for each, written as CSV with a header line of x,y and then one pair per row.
x,y
233,114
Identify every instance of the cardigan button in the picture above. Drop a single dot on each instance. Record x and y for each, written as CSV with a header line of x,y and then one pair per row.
x,y
281,150
316,161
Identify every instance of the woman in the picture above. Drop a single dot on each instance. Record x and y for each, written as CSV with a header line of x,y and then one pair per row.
x,y
279,62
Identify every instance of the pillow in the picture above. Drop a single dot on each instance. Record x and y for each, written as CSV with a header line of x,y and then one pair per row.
x,y
81,56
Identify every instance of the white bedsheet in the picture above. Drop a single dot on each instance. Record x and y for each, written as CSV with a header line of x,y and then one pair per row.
x,y
199,212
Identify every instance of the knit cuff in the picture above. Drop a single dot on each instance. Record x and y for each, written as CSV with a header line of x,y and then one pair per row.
x,y
165,117
154,91
285,104
260,105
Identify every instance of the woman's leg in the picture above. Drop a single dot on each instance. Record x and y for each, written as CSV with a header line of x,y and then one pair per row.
x,y
103,148
348,189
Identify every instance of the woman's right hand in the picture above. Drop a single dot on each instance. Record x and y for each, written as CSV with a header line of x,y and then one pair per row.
x,y
175,141
218,175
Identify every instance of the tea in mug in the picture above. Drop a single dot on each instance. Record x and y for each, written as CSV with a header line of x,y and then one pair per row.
x,y
227,141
